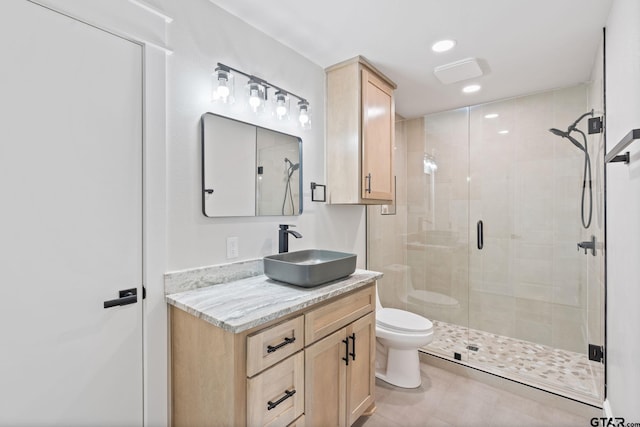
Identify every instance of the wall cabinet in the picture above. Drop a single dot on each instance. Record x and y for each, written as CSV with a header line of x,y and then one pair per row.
x,y
314,367
360,134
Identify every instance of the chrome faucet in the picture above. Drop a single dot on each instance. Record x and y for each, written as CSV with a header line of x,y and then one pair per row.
x,y
283,237
590,244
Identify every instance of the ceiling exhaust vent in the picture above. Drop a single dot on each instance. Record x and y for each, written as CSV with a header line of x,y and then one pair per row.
x,y
458,71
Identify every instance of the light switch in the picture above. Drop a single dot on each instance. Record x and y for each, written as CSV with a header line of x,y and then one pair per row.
x,y
232,247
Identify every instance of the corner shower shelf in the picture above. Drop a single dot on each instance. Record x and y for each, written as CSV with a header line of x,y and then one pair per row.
x,y
615,156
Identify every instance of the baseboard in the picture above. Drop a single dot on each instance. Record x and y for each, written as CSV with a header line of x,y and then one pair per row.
x,y
606,408
517,388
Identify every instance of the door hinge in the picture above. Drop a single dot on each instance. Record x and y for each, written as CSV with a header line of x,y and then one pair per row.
x,y
596,353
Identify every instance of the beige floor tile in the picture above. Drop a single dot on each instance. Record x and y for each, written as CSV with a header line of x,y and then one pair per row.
x,y
445,399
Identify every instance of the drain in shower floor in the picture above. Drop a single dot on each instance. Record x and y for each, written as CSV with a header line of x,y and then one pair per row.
x,y
473,347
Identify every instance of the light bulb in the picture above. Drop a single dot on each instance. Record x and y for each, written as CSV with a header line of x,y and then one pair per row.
x,y
223,85
254,101
281,104
223,89
281,111
254,97
303,116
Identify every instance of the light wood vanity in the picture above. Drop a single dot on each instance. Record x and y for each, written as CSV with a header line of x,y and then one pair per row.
x,y
313,366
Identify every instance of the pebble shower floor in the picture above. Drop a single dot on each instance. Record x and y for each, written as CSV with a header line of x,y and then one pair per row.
x,y
559,371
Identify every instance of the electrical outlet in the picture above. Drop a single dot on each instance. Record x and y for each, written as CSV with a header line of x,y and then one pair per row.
x,y
232,247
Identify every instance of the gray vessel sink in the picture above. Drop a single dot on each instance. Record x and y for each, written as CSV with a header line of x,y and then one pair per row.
x,y
310,267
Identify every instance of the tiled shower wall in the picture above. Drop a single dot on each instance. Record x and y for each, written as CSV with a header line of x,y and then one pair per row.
x,y
529,281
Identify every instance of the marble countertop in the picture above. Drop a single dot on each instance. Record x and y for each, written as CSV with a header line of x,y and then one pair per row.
x,y
243,304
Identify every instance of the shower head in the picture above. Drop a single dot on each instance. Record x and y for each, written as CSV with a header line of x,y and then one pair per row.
x,y
563,134
292,166
558,132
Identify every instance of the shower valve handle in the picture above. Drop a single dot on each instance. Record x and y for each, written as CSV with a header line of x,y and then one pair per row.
x,y
588,245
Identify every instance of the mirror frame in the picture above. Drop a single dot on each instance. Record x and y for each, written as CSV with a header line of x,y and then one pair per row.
x,y
204,188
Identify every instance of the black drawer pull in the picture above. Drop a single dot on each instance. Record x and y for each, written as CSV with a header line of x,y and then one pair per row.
x,y
480,231
287,340
287,394
346,352
353,338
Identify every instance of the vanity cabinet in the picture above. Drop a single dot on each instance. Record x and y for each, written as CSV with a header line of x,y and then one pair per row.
x,y
360,134
338,373
312,367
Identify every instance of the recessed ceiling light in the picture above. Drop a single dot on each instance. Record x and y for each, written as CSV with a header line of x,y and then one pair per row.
x,y
503,132
491,116
443,45
471,88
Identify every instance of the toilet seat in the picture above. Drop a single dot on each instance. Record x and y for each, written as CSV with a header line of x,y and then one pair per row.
x,y
402,321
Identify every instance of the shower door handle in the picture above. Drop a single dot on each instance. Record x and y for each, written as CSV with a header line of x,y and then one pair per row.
x,y
480,230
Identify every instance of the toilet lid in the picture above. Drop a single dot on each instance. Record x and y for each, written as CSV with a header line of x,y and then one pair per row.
x,y
400,320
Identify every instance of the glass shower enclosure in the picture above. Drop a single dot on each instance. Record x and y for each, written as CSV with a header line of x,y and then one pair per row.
x,y
483,239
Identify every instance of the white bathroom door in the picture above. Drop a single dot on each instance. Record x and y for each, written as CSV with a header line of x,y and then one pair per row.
x,y
70,221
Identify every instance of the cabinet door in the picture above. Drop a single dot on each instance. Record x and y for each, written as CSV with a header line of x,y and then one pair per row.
x,y
378,128
360,373
325,381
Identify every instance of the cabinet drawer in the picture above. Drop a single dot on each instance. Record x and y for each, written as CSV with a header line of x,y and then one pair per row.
x,y
269,346
329,318
298,423
276,396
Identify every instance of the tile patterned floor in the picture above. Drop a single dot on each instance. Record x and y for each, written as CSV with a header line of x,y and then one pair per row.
x,y
559,371
445,399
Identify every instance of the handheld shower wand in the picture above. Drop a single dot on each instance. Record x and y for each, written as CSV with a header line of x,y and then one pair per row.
x,y
287,189
586,221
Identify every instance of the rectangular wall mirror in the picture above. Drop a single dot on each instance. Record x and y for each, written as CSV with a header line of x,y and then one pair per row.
x,y
248,170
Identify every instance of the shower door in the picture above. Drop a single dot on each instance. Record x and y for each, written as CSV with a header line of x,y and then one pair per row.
x,y
531,312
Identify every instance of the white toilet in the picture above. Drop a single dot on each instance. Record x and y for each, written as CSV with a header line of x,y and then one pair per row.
x,y
399,334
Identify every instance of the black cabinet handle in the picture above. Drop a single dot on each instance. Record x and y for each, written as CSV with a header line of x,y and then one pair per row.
x,y
127,296
353,353
368,187
346,352
480,230
287,340
287,394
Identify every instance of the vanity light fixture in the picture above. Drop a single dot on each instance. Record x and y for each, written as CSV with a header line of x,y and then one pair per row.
x,y
258,94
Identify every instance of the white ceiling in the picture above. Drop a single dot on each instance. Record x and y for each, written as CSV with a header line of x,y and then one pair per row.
x,y
524,46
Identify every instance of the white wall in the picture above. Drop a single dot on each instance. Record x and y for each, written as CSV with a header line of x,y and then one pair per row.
x,y
202,35
623,211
